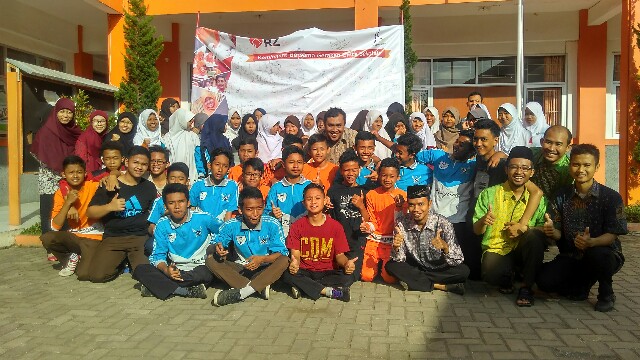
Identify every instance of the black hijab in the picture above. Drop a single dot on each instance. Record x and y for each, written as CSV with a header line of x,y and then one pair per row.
x,y
125,139
243,134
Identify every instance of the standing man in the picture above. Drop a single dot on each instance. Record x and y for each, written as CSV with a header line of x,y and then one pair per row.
x,y
340,138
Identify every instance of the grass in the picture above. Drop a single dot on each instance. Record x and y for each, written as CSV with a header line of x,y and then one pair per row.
x,y
34,229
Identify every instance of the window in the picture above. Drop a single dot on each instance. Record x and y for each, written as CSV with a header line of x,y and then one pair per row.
x,y
613,101
544,69
497,70
35,59
551,100
422,73
419,99
454,71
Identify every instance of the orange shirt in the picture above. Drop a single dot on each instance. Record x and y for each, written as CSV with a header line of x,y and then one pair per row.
x,y
264,190
271,177
381,206
235,173
326,174
84,227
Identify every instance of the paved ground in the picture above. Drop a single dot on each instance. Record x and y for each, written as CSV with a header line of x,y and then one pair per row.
x,y
45,316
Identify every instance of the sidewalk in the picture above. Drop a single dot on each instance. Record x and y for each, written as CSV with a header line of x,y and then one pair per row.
x,y
30,215
44,316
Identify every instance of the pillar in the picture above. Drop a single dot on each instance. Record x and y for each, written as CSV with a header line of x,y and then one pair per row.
x,y
366,14
115,48
82,62
592,87
629,109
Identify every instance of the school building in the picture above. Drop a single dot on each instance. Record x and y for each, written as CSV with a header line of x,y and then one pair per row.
x,y
580,56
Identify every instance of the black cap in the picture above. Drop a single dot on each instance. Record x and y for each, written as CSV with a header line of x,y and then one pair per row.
x,y
417,191
520,152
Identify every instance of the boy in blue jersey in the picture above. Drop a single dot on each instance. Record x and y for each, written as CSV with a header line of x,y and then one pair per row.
x,y
411,172
259,245
285,197
183,238
177,173
215,194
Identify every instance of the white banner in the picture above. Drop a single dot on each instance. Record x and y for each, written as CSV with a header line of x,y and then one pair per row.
x,y
306,72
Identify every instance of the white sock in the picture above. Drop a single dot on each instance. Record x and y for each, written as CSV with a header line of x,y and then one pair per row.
x,y
328,291
246,291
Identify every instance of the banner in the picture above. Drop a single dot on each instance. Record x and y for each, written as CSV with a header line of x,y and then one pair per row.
x,y
306,72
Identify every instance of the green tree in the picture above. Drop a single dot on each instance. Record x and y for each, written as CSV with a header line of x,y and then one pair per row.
x,y
410,57
140,89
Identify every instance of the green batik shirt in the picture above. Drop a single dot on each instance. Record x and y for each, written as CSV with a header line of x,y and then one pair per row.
x,y
550,177
506,208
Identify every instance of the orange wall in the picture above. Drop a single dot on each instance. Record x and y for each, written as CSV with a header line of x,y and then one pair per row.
x,y
493,97
168,65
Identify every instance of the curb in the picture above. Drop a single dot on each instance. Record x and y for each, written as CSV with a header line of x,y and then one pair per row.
x,y
28,240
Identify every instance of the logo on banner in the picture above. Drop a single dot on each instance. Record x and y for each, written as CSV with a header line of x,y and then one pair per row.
x,y
271,42
255,42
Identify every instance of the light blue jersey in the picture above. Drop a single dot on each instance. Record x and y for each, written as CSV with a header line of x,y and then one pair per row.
x,y
452,183
184,244
416,174
288,197
216,200
157,211
265,239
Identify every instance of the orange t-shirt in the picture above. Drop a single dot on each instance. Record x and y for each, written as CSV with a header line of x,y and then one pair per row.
x,y
265,191
381,206
84,227
235,173
326,174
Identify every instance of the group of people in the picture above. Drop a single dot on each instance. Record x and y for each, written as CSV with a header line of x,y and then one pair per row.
x,y
251,199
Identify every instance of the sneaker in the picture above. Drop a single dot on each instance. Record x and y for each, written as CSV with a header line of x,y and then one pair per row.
x,y
404,285
456,288
606,303
144,292
226,297
342,294
295,293
72,263
266,292
197,292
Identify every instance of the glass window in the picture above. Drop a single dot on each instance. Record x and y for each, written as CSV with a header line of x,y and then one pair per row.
x,y
618,109
544,69
2,64
496,70
422,73
419,100
616,67
21,56
454,71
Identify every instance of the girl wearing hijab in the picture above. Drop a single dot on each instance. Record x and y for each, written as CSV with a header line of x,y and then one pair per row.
x,y
269,139
248,130
360,119
397,126
183,144
396,107
433,119
320,122
308,125
148,132
374,122
213,134
535,122
259,113
292,126
512,133
448,133
90,141
124,131
198,123
233,125
168,107
54,141
419,124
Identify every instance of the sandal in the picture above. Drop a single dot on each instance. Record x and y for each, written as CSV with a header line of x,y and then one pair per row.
x,y
525,297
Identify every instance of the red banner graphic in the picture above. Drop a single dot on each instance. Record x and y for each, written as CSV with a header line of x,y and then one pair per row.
x,y
331,55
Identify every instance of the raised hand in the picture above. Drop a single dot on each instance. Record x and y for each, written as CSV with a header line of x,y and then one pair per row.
x,y
548,228
117,204
358,200
277,212
71,197
294,265
398,238
440,244
489,218
399,199
373,176
583,241
220,250
350,266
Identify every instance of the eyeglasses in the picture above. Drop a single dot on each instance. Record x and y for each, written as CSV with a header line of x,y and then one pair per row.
x,y
253,175
516,168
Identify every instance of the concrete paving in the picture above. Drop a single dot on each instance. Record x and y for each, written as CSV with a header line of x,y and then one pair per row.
x,y
45,316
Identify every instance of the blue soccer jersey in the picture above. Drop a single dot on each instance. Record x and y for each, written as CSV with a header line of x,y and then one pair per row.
x,y
416,174
265,239
214,199
288,197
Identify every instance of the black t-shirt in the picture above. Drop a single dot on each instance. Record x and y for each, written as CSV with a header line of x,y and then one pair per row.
x,y
343,211
485,177
133,219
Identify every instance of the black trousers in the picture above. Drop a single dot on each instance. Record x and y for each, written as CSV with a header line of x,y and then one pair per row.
x,y
163,286
471,246
527,256
570,276
46,205
312,282
356,246
419,278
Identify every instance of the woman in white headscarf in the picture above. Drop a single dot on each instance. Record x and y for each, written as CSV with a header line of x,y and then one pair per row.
x,y
512,133
182,143
233,124
432,115
269,139
309,126
535,122
423,132
148,132
375,122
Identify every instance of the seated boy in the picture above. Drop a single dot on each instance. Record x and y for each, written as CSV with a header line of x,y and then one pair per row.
x,y
258,243
124,213
182,237
497,206
247,149
411,172
284,200
426,255
349,209
319,170
252,171
588,218
383,204
319,266
216,194
84,234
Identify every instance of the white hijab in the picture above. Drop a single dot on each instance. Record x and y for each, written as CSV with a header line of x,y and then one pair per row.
x,y
436,122
269,146
231,133
143,132
514,134
428,140
308,132
182,142
536,131
381,150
